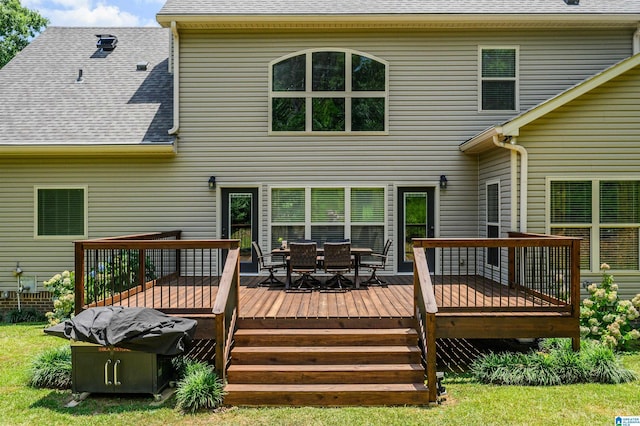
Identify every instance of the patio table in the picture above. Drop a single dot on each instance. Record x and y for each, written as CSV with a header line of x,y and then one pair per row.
x,y
356,252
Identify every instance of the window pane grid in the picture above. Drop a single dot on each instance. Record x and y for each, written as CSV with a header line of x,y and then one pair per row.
x,y
334,214
605,214
498,74
342,93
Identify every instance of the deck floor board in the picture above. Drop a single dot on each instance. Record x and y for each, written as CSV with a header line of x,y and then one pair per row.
x,y
391,301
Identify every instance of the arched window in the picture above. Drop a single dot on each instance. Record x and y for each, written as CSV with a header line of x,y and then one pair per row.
x,y
328,90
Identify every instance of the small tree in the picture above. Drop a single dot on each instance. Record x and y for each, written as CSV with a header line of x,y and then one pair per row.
x,y
18,25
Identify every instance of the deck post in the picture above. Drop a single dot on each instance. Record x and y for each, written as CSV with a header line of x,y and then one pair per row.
x,y
431,357
220,353
79,277
575,290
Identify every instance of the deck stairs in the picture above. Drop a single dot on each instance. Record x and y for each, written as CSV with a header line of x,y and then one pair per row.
x,y
332,366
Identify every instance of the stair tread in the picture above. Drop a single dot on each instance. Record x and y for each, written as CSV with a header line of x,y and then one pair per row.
x,y
316,349
324,331
358,387
326,367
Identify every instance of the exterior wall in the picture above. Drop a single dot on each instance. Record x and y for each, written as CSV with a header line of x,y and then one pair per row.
x,y
42,302
223,132
595,136
495,166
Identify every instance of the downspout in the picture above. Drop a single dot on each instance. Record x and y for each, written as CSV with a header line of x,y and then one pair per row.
x,y
510,144
636,41
176,79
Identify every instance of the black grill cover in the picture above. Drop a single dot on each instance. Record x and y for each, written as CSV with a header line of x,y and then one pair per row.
x,y
139,329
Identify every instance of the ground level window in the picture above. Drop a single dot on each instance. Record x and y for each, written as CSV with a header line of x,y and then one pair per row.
x,y
605,214
328,214
61,212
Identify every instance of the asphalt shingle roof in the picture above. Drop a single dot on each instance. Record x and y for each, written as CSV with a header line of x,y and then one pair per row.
x,y
43,104
368,7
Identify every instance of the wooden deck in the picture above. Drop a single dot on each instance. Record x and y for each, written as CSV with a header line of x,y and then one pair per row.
x,y
197,294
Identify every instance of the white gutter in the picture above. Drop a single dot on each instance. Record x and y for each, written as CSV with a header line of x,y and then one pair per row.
x,y
176,79
524,173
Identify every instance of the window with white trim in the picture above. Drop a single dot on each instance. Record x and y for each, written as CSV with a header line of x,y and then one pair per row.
x,y
493,221
498,79
60,212
328,214
605,214
328,91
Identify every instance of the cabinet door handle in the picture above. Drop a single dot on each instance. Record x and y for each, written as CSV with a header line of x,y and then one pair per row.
x,y
106,373
115,373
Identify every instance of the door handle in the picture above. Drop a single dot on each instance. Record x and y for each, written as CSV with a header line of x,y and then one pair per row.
x,y
115,373
106,373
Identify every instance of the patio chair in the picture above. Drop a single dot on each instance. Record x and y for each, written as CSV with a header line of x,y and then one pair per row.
x,y
337,261
304,261
269,263
375,262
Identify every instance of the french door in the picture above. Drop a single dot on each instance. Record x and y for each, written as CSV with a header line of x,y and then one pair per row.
x,y
416,213
240,221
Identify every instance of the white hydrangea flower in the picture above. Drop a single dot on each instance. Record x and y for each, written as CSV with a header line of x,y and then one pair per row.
x,y
588,303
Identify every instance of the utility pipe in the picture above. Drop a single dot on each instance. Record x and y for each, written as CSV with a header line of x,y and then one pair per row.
x,y
511,145
176,78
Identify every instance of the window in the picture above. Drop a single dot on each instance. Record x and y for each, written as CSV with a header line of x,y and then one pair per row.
x,y
493,221
605,214
328,91
498,79
328,214
60,212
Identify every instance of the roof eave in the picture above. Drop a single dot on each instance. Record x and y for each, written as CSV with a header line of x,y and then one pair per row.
x,y
160,150
481,142
245,21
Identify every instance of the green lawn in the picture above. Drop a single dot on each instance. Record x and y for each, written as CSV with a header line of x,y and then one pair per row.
x,y
468,403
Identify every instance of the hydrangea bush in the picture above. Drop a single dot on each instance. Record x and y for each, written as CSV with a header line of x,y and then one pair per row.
x,y
604,317
62,287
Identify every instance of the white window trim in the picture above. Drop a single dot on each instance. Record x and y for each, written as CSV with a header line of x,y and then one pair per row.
x,y
498,224
85,189
347,223
309,94
516,78
595,225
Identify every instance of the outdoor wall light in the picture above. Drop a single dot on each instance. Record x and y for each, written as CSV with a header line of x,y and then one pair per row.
x,y
212,182
18,271
443,182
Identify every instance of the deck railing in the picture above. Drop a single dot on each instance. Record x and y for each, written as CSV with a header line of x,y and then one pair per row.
x,y
154,270
522,273
425,309
163,272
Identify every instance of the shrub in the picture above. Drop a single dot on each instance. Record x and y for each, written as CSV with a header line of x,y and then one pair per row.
x,y
52,369
200,388
25,315
604,317
62,286
556,363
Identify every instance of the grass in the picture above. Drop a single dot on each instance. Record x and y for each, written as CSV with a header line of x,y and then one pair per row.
x,y
468,401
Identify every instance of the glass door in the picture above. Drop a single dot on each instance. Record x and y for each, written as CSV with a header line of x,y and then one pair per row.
x,y
240,221
415,220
